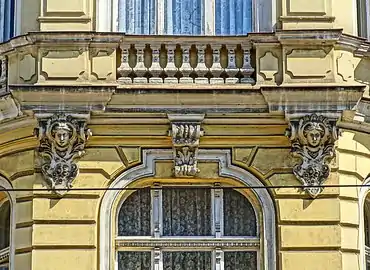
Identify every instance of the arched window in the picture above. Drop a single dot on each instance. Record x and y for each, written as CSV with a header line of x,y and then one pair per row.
x,y
185,17
4,231
182,227
7,14
367,230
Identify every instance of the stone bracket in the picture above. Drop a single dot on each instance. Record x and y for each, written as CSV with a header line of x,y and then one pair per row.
x,y
185,132
62,140
313,140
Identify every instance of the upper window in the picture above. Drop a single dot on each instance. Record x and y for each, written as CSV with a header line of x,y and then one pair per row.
x,y
186,17
363,18
6,20
178,228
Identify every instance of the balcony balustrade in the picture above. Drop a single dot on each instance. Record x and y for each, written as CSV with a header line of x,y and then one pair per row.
x,y
206,60
3,75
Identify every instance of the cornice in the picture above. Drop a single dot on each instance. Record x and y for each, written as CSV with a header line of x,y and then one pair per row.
x,y
108,39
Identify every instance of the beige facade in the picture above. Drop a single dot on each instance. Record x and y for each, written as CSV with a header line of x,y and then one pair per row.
x,y
120,112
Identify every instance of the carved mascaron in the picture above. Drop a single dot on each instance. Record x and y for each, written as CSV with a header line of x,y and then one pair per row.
x,y
62,140
313,138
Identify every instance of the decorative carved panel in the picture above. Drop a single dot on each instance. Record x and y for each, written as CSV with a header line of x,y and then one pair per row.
x,y
313,138
62,140
269,65
309,63
64,64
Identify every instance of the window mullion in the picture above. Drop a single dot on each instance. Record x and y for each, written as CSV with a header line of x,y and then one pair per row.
x,y
160,17
219,259
217,197
209,17
157,259
156,211
115,16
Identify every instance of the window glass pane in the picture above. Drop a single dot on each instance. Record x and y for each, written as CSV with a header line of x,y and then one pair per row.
x,y
134,260
240,260
187,260
186,212
4,224
239,216
134,215
137,16
184,17
233,17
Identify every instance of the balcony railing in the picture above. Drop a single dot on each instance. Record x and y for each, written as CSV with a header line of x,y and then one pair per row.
x,y
3,75
4,255
367,256
204,60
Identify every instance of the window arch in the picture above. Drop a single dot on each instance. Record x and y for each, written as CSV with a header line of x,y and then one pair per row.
x,y
178,227
263,243
186,17
7,225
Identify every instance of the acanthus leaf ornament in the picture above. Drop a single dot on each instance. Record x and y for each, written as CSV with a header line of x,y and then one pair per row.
x,y
185,132
313,139
62,140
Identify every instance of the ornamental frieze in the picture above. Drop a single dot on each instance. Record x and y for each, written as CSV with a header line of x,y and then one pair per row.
x,y
62,141
313,138
185,132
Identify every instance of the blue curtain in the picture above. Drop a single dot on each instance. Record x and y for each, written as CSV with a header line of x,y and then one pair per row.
x,y
6,19
137,16
184,17
233,17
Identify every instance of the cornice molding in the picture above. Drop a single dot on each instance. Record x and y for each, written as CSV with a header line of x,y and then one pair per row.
x,y
305,37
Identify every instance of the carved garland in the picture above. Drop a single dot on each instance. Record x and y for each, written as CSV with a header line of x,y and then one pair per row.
x,y
62,140
313,138
185,132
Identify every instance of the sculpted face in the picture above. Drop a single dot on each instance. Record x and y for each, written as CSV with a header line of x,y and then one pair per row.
x,y
314,136
62,136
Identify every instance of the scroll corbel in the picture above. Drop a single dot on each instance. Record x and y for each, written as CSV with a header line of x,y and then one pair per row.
x,y
185,132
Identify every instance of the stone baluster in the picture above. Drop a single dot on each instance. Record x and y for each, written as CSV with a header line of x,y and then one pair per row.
x,y
231,69
201,69
155,69
140,69
124,69
171,68
246,69
216,68
186,68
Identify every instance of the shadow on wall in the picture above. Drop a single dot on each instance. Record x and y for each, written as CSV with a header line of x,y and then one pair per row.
x,y
362,74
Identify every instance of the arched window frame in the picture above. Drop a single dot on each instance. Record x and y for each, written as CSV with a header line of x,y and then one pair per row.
x,y
264,18
5,186
112,200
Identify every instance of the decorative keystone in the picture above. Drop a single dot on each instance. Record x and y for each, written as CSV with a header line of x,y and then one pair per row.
x,y
313,138
185,132
62,140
